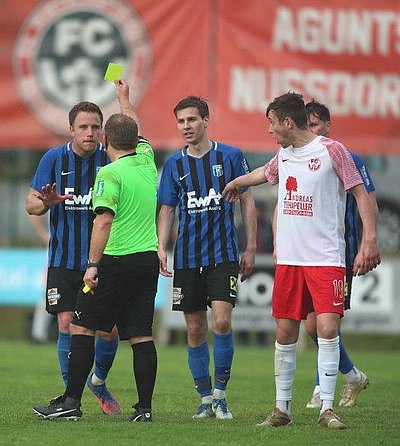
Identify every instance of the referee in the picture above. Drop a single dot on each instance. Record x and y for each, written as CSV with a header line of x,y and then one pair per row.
x,y
122,272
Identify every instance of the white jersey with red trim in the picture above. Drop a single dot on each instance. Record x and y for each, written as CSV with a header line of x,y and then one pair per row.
x,y
313,181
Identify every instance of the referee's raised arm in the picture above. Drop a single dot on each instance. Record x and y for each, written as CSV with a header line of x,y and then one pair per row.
x,y
126,107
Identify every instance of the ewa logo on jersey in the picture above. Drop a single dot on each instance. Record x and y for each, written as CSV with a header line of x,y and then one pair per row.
x,y
208,203
314,164
77,202
62,52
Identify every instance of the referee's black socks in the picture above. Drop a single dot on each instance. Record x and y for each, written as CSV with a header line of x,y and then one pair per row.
x,y
81,360
145,370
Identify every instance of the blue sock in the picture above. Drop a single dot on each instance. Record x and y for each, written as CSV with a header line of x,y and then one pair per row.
x,y
199,363
315,340
345,363
105,352
223,357
63,349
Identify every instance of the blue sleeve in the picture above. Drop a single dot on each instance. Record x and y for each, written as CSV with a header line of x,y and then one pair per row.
x,y
240,166
362,168
43,172
168,192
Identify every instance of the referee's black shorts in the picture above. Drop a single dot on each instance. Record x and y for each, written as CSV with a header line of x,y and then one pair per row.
x,y
125,296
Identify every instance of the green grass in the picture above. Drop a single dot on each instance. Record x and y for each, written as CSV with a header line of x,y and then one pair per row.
x,y
29,376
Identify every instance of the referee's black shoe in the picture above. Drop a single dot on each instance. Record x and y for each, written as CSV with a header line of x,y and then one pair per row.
x,y
61,407
140,414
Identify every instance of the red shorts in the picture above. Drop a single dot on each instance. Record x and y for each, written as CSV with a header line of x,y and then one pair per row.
x,y
297,288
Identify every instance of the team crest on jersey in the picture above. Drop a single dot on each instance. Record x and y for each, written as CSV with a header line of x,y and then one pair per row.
x,y
217,170
62,52
314,164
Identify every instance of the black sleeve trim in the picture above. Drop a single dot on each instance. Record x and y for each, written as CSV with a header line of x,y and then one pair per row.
x,y
101,209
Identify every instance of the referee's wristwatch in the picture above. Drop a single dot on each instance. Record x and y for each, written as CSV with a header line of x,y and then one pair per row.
x,y
92,264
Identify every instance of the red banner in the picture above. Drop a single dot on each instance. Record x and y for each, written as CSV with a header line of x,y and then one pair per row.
x,y
239,54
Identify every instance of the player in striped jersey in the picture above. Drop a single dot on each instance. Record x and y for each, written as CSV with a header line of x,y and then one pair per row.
x,y
206,259
63,185
319,122
314,173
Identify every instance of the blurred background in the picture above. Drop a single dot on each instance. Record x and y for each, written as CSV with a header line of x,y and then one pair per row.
x,y
238,54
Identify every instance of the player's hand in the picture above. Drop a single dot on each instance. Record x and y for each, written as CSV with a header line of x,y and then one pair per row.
x,y
231,192
367,259
162,257
246,264
50,197
90,278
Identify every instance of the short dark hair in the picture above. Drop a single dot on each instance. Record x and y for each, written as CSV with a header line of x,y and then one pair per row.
x,y
193,101
88,107
318,109
121,132
290,105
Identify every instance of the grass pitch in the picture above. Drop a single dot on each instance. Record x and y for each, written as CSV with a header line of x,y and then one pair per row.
x,y
29,376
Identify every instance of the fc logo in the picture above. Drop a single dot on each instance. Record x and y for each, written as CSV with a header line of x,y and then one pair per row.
x,y
63,49
314,164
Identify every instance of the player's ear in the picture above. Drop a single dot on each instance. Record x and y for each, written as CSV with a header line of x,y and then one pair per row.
x,y
206,120
288,122
105,141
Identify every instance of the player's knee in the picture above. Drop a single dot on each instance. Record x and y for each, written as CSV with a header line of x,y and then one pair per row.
x,y
64,320
221,325
196,333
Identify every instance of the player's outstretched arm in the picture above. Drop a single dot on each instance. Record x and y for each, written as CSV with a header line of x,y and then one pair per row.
x,y
233,189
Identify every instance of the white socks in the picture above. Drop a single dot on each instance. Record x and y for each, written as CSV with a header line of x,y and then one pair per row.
x,y
219,394
328,366
285,366
352,377
97,381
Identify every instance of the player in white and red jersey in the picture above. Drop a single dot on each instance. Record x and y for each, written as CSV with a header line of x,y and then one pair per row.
x,y
314,173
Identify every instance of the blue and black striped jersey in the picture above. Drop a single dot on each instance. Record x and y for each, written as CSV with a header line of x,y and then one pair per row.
x,y
71,221
351,216
206,233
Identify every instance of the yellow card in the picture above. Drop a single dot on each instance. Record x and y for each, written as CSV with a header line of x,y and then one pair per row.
x,y
113,72
86,289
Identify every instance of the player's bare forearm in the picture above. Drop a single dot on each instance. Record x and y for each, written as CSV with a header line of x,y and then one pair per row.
x,y
248,211
368,256
274,228
35,206
100,235
165,223
233,189
122,92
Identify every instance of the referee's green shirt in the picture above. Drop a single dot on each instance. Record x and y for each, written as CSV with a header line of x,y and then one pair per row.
x,y
128,188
